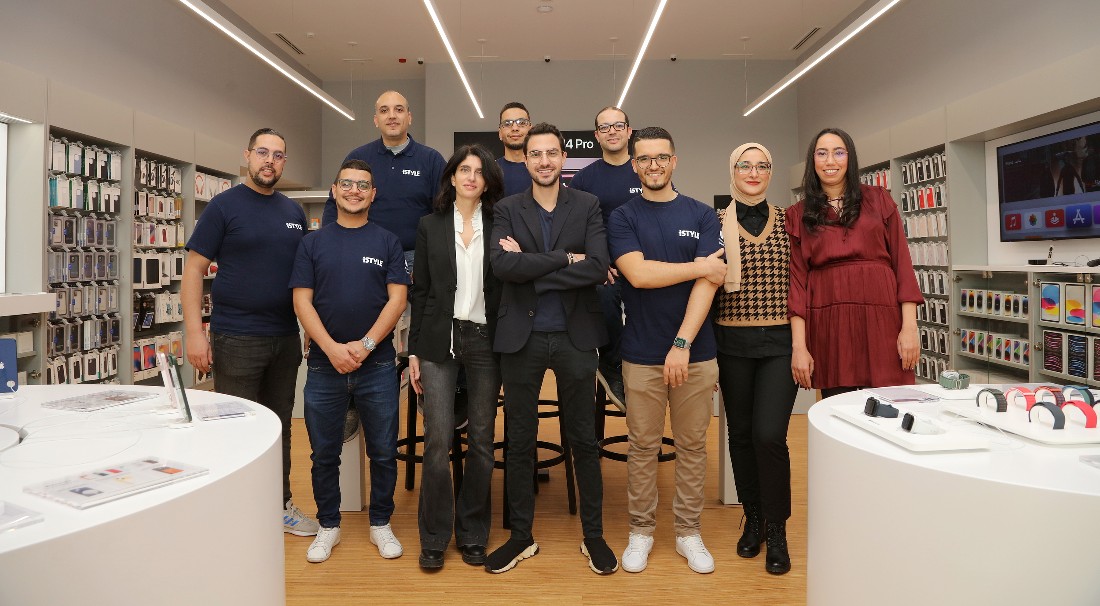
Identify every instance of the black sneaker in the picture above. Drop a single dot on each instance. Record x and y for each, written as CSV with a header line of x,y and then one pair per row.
x,y
600,557
509,554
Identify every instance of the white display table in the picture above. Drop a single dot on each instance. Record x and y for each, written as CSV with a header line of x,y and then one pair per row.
x,y
215,539
1016,524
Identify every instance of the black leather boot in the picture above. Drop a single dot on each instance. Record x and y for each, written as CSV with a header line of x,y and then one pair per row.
x,y
778,561
749,544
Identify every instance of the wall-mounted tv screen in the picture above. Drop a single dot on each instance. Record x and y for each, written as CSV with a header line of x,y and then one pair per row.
x,y
1050,186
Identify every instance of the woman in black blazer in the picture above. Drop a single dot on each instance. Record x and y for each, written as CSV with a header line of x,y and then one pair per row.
x,y
455,298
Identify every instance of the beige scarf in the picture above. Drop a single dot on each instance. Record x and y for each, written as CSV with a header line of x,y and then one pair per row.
x,y
731,234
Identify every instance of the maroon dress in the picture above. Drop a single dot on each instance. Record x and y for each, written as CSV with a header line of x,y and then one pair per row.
x,y
848,285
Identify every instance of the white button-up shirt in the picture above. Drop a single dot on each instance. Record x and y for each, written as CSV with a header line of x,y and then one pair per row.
x,y
469,265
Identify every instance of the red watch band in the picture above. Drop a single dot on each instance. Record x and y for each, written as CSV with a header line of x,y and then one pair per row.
x,y
1090,414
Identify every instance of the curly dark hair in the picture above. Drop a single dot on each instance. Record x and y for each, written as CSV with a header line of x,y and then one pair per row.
x,y
815,200
490,170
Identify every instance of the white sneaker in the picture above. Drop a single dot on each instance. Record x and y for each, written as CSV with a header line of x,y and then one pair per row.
x,y
692,548
388,545
636,556
321,548
298,523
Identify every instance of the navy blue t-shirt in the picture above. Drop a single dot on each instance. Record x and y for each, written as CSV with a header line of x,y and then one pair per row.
x,y
613,185
673,232
516,177
407,183
348,270
253,237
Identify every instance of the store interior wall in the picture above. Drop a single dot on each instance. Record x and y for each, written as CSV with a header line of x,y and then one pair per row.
x,y
160,59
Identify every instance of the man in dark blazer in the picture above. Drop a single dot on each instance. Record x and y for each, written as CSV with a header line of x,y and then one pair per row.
x,y
549,250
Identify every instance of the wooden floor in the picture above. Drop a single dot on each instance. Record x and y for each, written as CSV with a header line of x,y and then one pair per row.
x,y
559,575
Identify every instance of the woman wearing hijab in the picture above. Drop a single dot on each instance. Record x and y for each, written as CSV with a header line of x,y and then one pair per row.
x,y
754,355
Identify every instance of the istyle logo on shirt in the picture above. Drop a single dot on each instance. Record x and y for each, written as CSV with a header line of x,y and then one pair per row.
x,y
414,173
1055,217
1013,222
635,190
687,233
296,226
1078,216
373,261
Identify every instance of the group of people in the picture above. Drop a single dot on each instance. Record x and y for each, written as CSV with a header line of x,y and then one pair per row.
x,y
617,278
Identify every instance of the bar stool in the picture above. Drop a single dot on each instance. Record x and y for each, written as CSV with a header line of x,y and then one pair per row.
x,y
605,408
411,439
563,456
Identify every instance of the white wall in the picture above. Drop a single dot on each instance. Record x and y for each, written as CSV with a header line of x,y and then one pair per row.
x,y
698,102
159,59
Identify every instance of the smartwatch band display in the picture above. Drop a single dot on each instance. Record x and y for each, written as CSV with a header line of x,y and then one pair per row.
x,y
950,379
1080,392
1053,390
1059,416
874,408
1090,414
1015,393
919,425
998,397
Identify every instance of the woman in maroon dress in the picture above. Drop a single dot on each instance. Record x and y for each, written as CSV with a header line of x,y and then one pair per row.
x,y
853,293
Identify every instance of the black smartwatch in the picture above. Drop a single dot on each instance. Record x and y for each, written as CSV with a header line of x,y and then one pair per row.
x,y
874,408
918,425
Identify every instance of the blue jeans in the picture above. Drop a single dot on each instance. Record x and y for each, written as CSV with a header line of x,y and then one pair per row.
x,y
264,370
374,390
611,302
468,516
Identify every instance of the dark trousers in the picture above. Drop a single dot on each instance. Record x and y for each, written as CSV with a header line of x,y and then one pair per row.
x,y
263,370
439,515
523,374
611,302
758,394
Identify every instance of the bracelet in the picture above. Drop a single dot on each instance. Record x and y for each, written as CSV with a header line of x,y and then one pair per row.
x,y
1059,416
998,397
1083,392
1025,393
1090,414
1053,390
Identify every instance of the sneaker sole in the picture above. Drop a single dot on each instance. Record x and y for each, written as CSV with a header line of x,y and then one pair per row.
x,y
700,571
299,533
592,565
531,551
610,396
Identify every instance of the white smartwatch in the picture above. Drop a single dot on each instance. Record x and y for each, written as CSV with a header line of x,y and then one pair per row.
x,y
368,343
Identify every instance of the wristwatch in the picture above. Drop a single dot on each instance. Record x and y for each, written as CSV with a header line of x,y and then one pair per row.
x,y
874,408
368,343
681,343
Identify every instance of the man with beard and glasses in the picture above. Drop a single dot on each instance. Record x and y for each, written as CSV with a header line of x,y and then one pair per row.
x,y
549,250
668,248
515,122
350,288
253,232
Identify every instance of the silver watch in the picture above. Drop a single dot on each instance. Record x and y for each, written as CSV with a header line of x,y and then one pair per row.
x,y
368,343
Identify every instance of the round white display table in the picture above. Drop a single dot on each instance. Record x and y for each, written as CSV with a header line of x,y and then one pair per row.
x,y
1016,524
214,539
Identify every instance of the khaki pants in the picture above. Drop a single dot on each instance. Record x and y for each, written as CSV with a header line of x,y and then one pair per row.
x,y
689,407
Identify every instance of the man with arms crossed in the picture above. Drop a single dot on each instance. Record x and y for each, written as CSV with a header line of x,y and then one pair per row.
x,y
549,250
350,288
253,232
612,180
668,248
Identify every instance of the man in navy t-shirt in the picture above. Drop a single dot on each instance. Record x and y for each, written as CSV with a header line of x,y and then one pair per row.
x,y
253,232
515,122
612,180
406,173
668,248
350,286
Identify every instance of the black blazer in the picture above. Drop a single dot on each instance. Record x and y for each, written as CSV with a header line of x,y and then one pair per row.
x,y
577,228
435,280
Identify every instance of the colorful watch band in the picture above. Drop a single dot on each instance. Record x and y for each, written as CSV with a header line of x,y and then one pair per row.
x,y
998,397
1059,416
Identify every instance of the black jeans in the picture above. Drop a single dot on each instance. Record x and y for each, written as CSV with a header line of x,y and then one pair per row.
x,y
758,394
439,515
523,373
263,370
611,302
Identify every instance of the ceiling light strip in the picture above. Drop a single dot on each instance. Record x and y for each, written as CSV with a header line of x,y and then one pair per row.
x,y
842,38
10,118
227,28
641,51
454,58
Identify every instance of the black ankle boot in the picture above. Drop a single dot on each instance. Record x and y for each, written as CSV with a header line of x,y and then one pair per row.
x,y
778,561
749,544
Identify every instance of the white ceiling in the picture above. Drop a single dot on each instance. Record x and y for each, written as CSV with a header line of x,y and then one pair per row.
x,y
375,34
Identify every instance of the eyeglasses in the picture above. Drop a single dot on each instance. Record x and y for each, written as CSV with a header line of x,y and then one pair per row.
x,y
537,154
662,160
346,184
838,154
264,152
466,170
520,122
606,128
762,168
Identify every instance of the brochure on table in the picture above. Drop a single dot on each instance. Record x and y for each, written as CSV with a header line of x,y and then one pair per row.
x,y
105,484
